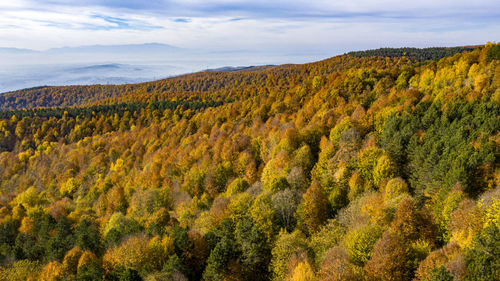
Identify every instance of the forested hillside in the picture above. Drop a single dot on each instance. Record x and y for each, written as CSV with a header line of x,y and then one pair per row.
x,y
239,84
351,168
416,54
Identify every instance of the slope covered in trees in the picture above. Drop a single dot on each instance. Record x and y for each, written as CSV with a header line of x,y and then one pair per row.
x,y
415,54
345,169
209,85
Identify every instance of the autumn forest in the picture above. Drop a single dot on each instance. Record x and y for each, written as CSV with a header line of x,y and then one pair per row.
x,y
374,165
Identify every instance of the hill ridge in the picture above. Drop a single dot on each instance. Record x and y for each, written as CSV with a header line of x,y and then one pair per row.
x,y
36,97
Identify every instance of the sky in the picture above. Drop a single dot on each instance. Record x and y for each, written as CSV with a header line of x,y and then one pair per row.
x,y
325,27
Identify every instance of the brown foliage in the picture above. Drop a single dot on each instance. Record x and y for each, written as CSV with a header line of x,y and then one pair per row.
x,y
388,262
411,224
450,256
315,204
336,266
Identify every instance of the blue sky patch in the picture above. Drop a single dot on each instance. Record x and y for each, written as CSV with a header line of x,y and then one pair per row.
x,y
184,20
120,23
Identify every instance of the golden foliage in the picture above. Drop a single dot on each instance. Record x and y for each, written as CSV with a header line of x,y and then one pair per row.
x,y
53,271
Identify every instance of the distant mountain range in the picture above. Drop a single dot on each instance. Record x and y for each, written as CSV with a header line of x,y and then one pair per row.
x,y
4,50
148,47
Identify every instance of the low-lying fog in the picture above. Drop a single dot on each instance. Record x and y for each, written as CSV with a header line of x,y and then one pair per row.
x,y
120,64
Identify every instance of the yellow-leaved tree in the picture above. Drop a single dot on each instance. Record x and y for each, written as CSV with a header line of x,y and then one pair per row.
x,y
303,272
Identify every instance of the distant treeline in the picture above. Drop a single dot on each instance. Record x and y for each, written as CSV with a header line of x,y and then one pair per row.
x,y
107,109
415,54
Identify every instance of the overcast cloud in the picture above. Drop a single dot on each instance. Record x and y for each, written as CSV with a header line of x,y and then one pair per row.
x,y
321,26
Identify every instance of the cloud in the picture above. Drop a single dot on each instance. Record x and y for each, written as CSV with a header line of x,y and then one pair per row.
x,y
291,8
321,26
113,4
